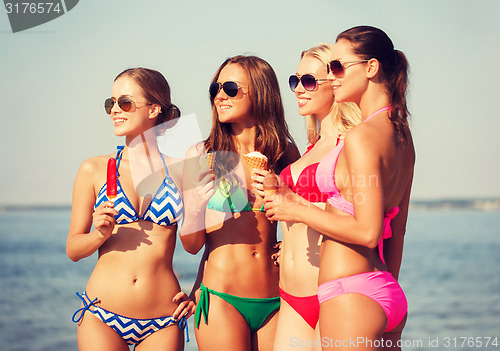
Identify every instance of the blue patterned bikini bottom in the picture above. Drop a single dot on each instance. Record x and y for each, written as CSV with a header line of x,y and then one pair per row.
x,y
132,330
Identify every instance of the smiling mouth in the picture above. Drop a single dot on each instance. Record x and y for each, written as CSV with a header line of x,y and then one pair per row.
x,y
224,107
118,121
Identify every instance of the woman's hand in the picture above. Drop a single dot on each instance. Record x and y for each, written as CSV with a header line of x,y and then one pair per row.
x,y
276,256
202,192
258,181
284,204
205,187
186,307
103,218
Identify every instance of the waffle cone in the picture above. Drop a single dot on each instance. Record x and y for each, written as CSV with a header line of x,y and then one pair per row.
x,y
255,162
207,161
211,157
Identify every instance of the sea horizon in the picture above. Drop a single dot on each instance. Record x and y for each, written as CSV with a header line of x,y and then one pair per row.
x,y
476,203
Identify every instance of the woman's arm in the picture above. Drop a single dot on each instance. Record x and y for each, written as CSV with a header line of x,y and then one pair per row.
x,y
197,189
81,243
364,169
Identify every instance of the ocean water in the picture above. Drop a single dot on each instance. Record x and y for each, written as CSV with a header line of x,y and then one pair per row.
x,y
450,274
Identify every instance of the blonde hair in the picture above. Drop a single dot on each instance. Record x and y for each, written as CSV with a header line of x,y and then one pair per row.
x,y
345,114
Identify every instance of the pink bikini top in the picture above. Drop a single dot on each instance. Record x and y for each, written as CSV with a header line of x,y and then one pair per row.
x,y
325,180
306,182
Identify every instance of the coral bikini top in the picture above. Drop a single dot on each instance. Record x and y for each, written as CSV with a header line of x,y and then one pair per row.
x,y
306,185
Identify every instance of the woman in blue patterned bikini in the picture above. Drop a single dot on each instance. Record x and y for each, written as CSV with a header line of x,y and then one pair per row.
x,y
132,296
239,296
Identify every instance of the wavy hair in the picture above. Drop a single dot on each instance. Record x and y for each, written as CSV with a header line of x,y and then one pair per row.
x,y
272,137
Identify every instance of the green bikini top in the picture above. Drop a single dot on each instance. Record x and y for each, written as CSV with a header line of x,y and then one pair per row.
x,y
223,200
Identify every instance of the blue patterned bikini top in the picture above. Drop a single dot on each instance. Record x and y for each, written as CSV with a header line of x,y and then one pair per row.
x,y
165,208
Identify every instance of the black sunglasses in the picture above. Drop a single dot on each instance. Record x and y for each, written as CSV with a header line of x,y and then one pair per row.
x,y
124,102
307,80
338,67
230,88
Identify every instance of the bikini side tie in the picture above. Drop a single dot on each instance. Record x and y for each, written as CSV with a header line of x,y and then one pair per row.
x,y
85,308
183,325
203,302
387,230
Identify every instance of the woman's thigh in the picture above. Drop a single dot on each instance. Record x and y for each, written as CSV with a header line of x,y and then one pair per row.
x,y
94,335
226,328
263,339
292,331
351,322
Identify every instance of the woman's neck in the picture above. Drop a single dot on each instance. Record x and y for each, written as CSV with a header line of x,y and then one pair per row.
x,y
143,150
244,138
373,100
326,126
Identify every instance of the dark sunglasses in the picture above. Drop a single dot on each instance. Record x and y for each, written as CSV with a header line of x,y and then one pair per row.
x,y
338,68
124,102
230,88
307,80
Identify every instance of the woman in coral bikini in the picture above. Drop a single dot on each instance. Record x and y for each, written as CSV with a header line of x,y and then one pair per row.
x,y
367,178
299,259
238,299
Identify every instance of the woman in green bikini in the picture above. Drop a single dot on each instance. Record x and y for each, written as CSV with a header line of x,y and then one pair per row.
x,y
238,298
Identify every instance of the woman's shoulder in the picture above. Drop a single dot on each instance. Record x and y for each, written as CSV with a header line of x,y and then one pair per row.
x,y
93,169
371,133
196,150
95,163
362,135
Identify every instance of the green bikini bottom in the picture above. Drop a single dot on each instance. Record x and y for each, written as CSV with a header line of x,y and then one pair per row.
x,y
254,310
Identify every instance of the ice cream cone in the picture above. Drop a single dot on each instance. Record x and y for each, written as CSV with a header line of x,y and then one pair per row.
x,y
207,162
255,160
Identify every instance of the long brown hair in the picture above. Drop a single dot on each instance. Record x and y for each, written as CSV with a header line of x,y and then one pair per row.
x,y
156,90
370,42
272,137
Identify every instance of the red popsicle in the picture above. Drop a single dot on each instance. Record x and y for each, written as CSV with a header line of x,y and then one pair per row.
x,y
111,179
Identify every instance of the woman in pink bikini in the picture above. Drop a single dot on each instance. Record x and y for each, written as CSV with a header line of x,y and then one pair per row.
x,y
299,260
367,178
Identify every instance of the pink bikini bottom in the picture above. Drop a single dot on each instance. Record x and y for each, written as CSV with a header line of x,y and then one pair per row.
x,y
379,286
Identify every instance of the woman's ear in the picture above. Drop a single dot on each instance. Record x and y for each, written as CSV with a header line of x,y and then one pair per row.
x,y
373,68
154,111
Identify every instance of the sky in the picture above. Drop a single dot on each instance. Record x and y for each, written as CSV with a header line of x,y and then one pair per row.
x,y
55,77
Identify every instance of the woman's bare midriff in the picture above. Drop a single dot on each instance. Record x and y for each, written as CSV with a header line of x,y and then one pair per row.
x,y
239,262
299,260
339,260
134,276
